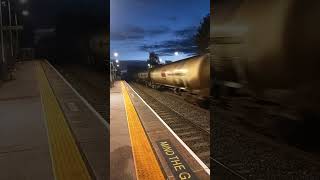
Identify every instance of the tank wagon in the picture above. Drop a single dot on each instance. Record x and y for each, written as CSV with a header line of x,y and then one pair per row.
x,y
191,75
268,47
143,77
267,50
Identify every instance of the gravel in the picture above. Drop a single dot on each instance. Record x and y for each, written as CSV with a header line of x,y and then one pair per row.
x,y
241,148
187,110
255,156
189,129
90,84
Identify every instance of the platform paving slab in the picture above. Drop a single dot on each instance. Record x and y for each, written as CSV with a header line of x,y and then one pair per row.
x,y
121,162
24,150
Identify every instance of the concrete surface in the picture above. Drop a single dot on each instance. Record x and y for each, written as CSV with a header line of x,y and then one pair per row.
x,y
121,162
24,151
89,132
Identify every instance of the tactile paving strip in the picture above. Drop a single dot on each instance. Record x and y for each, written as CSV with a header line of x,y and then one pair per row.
x,y
66,158
146,163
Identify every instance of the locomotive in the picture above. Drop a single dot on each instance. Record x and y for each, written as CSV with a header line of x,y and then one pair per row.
x,y
189,76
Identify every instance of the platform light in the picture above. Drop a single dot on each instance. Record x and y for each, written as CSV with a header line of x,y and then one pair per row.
x,y
176,53
25,13
149,65
117,61
118,65
115,54
23,1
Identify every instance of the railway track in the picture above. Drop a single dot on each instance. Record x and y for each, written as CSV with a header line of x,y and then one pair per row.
x,y
196,134
192,133
255,156
92,87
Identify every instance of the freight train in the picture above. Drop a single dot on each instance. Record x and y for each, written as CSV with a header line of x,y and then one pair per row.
x,y
190,77
269,49
268,44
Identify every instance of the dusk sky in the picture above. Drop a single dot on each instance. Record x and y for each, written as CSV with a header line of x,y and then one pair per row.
x,y
163,26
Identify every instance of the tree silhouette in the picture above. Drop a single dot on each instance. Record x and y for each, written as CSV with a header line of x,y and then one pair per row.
x,y
203,35
153,59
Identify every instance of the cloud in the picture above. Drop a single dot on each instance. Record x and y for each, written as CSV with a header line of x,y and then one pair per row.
x,y
120,36
132,32
187,32
184,43
167,48
173,18
148,2
157,31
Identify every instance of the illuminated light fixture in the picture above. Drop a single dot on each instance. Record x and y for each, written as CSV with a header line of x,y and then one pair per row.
x,y
176,53
25,13
115,54
118,65
23,1
117,61
148,65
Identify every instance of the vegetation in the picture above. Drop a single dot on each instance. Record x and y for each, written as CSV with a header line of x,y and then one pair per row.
x,y
203,35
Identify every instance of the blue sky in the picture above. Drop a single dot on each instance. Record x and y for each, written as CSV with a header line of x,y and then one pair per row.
x,y
164,26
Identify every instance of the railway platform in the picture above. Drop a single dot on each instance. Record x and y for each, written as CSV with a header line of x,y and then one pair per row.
x,y
142,145
47,130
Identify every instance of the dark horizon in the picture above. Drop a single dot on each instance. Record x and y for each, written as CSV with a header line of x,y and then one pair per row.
x,y
72,25
83,15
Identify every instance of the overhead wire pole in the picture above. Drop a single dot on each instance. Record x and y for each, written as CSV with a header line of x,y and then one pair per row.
x,y
10,30
16,35
4,70
14,41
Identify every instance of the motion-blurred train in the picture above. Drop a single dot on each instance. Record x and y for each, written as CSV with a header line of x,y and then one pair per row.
x,y
267,47
190,77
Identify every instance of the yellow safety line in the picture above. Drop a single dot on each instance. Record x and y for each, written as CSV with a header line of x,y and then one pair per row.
x,y
146,163
66,158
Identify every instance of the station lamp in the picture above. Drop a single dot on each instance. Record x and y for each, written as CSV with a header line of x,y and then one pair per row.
x,y
23,1
117,61
25,13
115,54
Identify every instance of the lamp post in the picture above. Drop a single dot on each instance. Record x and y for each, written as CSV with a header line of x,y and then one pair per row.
x,y
117,63
12,27
116,55
16,35
10,31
